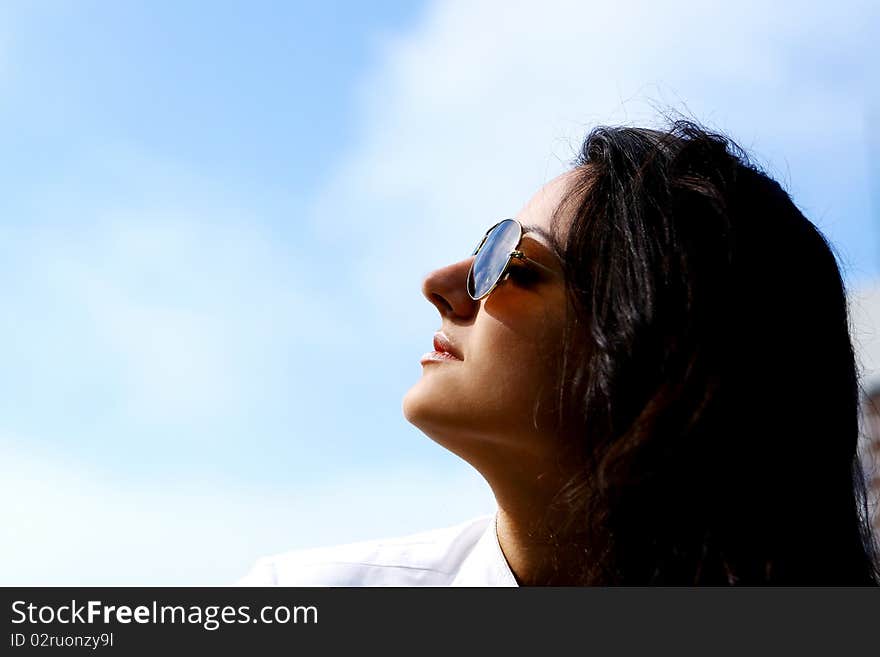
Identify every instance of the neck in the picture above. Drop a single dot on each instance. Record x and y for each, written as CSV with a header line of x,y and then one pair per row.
x,y
527,535
529,526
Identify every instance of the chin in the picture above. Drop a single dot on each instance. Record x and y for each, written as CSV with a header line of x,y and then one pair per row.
x,y
441,408
416,404
439,386
406,407
428,411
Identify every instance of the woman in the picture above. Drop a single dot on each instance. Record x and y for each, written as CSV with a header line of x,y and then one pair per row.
x,y
652,369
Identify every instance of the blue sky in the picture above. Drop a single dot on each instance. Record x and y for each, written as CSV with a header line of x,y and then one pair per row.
x,y
249,94
143,127
215,218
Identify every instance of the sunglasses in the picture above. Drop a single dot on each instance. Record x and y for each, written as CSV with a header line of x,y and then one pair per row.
x,y
494,254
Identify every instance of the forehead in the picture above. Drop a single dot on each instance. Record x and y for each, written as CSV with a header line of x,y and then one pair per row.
x,y
538,211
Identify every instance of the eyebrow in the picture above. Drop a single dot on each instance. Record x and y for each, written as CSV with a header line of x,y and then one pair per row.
x,y
550,246
550,239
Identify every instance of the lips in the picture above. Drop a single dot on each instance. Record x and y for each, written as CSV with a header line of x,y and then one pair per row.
x,y
443,345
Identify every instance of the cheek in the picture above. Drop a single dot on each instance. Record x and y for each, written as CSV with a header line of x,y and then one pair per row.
x,y
510,368
515,364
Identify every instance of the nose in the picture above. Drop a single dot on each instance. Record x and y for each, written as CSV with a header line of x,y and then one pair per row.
x,y
446,288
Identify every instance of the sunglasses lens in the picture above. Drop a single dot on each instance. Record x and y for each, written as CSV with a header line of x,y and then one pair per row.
x,y
492,258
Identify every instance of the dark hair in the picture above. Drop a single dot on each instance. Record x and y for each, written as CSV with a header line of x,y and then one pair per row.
x,y
710,394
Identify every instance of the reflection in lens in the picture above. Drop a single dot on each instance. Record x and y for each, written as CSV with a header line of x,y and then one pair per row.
x,y
492,258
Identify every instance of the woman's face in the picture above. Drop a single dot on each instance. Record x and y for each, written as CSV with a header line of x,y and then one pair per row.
x,y
481,407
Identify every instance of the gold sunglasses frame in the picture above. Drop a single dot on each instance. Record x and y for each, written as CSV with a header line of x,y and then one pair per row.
x,y
515,253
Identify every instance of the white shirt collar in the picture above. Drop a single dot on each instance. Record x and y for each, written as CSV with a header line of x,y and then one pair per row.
x,y
468,554
485,565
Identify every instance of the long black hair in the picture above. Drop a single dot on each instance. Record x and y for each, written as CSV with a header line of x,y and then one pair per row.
x,y
709,390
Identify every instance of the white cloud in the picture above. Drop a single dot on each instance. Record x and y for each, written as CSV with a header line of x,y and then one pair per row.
x,y
480,104
66,524
168,286
188,302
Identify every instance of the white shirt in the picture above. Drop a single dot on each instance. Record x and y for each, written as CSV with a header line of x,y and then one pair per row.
x,y
467,554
